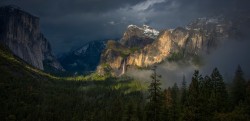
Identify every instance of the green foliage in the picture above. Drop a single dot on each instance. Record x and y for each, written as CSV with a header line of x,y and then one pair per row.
x,y
30,94
155,98
132,112
167,104
238,87
197,60
106,70
193,113
124,54
219,95
111,44
184,92
174,110
134,49
64,100
175,56
12,64
117,47
238,114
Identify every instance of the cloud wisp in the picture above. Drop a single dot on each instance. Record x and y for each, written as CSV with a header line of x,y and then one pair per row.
x,y
146,5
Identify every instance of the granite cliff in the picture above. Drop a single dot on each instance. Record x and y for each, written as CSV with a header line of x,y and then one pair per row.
x,y
137,49
20,32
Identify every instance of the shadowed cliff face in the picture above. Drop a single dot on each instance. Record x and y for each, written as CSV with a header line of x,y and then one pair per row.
x,y
21,33
83,60
183,43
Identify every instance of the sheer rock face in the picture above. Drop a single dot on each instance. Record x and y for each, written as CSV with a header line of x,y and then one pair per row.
x,y
200,36
153,53
21,33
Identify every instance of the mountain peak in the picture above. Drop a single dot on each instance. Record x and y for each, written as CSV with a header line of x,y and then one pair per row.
x,y
131,26
152,33
13,9
20,32
138,36
146,30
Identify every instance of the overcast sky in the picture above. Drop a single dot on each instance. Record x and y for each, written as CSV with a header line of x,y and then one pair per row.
x,y
71,23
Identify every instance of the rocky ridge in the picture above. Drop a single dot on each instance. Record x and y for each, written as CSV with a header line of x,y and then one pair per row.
x,y
136,49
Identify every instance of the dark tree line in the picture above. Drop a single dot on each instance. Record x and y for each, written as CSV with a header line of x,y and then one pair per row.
x,y
207,98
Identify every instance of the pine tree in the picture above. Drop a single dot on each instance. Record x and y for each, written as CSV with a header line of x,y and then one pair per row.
x,y
184,91
184,96
130,113
171,104
194,87
206,87
192,112
155,97
219,93
167,104
238,87
247,100
167,101
205,100
175,109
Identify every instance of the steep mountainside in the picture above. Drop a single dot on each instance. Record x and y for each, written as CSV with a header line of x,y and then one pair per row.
x,y
20,32
13,67
84,59
200,36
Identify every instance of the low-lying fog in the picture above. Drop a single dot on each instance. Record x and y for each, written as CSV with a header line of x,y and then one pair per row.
x,y
226,58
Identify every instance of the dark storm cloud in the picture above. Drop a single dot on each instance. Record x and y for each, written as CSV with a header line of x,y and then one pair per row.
x,y
65,7
207,6
70,23
172,13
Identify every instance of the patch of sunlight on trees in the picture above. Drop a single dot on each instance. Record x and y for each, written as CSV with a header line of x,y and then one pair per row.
x,y
92,77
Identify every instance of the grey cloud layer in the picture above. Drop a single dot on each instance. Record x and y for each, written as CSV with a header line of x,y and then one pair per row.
x,y
69,23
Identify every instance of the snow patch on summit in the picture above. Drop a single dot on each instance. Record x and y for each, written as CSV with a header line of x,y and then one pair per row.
x,y
147,31
152,33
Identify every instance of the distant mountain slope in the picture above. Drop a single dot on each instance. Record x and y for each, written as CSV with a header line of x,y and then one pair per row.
x,y
20,32
84,59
